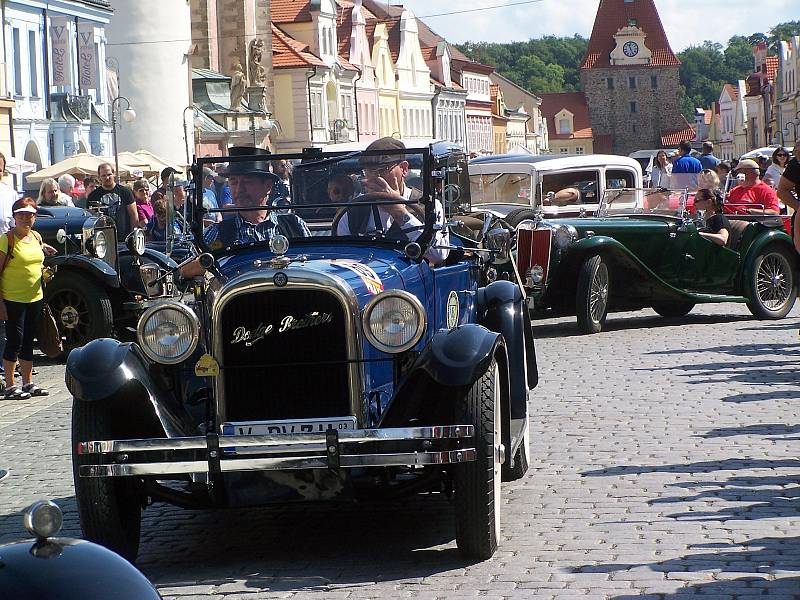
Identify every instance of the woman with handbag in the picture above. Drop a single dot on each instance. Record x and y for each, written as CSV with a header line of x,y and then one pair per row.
x,y
22,257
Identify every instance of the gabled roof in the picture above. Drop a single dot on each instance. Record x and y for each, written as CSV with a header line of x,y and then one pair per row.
x,y
613,15
289,53
574,102
733,93
290,11
344,25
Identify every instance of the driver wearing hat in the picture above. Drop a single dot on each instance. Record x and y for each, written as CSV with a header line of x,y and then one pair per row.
x,y
251,184
752,196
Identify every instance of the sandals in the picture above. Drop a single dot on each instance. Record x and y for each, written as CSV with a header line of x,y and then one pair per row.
x,y
34,390
16,393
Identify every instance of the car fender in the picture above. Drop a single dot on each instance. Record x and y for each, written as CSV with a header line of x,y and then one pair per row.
x,y
502,308
87,264
449,364
771,236
106,370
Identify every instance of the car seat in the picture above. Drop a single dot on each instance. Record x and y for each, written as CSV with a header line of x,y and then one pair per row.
x,y
735,233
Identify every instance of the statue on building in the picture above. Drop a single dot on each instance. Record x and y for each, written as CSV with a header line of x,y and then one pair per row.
x,y
238,86
258,75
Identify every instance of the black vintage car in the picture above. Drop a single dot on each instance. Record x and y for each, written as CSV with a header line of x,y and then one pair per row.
x,y
101,285
327,368
65,568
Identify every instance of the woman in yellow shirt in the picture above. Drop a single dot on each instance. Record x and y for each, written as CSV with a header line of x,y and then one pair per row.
x,y
21,297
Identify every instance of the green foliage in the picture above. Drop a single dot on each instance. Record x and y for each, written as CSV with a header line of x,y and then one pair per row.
x,y
552,64
544,65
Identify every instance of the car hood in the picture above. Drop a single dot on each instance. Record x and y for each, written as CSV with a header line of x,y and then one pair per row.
x,y
367,271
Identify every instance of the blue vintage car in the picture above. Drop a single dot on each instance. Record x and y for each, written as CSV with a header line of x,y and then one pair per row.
x,y
321,368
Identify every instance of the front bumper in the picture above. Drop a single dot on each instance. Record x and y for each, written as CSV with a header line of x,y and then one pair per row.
x,y
406,446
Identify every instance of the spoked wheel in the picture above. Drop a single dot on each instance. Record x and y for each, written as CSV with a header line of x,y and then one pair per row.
x,y
770,286
592,295
478,482
81,308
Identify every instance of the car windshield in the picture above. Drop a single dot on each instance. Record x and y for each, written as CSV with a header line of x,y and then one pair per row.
x,y
641,201
501,188
382,196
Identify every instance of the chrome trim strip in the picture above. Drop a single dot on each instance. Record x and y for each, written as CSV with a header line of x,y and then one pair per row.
x,y
276,464
298,442
299,278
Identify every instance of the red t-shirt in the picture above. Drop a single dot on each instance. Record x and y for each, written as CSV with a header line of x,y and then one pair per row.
x,y
760,195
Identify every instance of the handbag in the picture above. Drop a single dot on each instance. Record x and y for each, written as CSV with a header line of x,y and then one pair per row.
x,y
48,335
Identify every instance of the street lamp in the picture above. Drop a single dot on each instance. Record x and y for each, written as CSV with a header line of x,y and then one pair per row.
x,y
197,121
128,115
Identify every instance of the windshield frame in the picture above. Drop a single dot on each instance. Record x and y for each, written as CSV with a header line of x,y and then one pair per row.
x,y
640,200
315,157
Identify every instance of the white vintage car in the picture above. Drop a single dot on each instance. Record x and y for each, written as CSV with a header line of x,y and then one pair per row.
x,y
512,185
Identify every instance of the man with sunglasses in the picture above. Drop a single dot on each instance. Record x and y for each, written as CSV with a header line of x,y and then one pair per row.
x,y
386,175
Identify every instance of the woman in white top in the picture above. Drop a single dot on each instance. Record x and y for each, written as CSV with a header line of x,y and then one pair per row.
x,y
775,170
661,172
8,195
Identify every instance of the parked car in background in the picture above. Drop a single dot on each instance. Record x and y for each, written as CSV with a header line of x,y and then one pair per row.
x,y
516,187
100,286
324,368
642,249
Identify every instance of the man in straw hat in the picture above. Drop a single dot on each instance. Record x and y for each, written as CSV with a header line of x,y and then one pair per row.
x,y
386,174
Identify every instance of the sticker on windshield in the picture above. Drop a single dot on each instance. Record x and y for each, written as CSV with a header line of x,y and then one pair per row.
x,y
370,278
452,310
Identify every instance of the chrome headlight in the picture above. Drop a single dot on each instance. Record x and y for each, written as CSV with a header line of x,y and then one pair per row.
x,y
99,245
564,236
394,321
168,332
536,274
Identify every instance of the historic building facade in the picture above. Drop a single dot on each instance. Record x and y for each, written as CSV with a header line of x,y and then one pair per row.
x,y
630,78
55,73
520,102
787,111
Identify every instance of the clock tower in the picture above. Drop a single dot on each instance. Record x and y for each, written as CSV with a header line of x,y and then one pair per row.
x,y
630,79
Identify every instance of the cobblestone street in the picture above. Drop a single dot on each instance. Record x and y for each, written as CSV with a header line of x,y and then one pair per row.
x,y
665,463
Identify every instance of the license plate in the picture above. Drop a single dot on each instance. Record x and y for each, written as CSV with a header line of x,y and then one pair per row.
x,y
169,286
289,426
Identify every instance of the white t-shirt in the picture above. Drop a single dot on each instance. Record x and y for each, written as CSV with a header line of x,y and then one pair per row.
x,y
8,196
412,228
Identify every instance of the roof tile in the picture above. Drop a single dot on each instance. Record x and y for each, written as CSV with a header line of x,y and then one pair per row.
x,y
574,102
290,11
288,53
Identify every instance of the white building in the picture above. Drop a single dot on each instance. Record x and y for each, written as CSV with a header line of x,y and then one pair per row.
x,y
60,89
149,43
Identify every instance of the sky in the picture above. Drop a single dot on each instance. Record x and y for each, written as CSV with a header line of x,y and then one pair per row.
x,y
686,23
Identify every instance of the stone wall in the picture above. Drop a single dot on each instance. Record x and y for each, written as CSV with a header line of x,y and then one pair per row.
x,y
657,108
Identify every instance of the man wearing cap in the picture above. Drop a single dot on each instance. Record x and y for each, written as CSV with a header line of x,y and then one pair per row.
x,y
385,174
752,196
117,199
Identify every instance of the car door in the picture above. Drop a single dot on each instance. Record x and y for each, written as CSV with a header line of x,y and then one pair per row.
x,y
706,267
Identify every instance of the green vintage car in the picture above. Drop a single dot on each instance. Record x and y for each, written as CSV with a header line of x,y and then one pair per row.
x,y
642,249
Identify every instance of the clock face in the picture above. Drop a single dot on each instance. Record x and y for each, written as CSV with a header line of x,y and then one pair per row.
x,y
630,48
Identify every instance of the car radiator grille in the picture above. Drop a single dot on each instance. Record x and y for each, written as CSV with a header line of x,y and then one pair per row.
x,y
294,374
533,248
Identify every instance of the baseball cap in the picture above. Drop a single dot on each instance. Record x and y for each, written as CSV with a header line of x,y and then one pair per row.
x,y
384,143
166,172
25,208
747,163
207,172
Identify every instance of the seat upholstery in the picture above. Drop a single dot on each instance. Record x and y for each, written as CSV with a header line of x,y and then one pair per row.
x,y
735,234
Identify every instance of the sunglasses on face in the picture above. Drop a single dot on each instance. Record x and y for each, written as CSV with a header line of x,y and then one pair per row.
x,y
782,155
380,169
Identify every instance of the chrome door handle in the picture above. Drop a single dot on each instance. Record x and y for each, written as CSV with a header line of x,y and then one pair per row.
x,y
688,257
